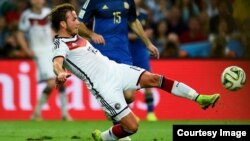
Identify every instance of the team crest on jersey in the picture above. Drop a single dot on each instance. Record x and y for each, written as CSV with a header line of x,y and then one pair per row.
x,y
105,7
126,5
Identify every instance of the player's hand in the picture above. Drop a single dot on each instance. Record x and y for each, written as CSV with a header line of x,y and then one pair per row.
x,y
97,38
153,51
61,79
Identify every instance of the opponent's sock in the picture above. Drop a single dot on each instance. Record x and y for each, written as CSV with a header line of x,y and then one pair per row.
x,y
115,132
149,101
42,100
178,88
63,100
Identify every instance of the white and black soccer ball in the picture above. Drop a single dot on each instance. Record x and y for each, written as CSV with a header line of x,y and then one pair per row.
x,y
233,78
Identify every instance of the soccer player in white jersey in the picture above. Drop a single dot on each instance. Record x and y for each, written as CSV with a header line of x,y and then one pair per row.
x,y
36,39
107,79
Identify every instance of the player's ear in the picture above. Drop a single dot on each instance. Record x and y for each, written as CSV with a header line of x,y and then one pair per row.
x,y
63,24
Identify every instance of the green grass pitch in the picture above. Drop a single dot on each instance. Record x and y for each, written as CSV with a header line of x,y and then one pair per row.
x,y
81,130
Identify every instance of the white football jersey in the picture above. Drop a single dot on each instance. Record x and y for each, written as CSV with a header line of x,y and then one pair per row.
x,y
38,29
82,59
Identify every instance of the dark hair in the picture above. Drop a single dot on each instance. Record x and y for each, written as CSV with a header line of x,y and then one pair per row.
x,y
58,14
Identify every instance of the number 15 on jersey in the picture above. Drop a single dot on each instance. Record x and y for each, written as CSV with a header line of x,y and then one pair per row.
x,y
117,17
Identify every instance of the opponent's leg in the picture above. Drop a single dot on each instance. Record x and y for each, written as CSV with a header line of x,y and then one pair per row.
x,y
149,99
43,99
180,89
64,100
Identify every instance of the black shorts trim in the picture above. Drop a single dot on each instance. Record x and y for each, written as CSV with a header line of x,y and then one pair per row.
x,y
140,77
113,117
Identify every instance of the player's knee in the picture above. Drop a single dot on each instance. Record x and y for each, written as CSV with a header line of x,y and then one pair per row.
x,y
155,80
150,80
132,128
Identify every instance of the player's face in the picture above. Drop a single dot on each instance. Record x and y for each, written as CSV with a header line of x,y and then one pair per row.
x,y
37,3
72,23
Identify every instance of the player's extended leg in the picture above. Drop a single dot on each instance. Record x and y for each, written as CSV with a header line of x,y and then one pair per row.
x,y
128,126
43,99
64,100
180,89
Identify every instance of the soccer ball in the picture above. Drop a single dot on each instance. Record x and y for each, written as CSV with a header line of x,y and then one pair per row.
x,y
233,78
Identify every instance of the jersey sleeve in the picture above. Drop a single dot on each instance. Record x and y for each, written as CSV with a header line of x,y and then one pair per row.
x,y
24,23
59,49
87,10
132,11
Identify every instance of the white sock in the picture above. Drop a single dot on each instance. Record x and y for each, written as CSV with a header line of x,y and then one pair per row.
x,y
108,135
182,90
63,100
42,100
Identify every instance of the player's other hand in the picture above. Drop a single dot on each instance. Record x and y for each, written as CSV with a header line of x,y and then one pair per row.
x,y
61,79
97,38
153,51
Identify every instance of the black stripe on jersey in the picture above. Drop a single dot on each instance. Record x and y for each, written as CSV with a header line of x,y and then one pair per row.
x,y
97,94
56,43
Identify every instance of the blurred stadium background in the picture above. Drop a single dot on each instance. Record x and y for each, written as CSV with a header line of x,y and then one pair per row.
x,y
197,39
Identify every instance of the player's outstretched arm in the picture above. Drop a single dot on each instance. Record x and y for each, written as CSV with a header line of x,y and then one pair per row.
x,y
62,75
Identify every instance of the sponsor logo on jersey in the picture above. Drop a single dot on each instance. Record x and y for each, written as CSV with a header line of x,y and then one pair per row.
x,y
126,5
105,7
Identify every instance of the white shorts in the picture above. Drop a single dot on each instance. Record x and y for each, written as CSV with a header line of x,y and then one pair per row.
x,y
111,96
45,67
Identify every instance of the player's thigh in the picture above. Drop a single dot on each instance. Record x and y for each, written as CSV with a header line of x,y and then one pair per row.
x,y
112,102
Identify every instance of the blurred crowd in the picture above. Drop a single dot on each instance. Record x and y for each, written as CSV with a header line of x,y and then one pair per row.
x,y
181,28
